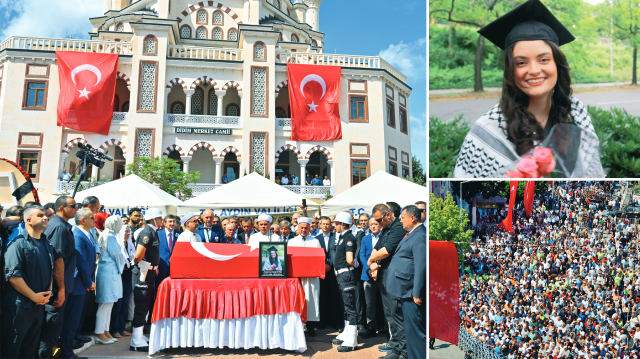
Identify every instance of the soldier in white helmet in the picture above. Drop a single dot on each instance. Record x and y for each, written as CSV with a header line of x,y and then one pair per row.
x,y
343,255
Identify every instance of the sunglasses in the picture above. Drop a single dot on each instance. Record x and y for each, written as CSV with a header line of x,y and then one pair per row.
x,y
379,220
76,205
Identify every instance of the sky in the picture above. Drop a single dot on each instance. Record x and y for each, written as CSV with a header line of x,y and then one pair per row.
x,y
357,27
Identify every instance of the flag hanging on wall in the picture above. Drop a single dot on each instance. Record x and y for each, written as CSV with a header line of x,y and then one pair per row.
x,y
314,91
87,89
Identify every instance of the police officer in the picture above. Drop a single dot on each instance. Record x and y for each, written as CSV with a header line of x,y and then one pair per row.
x,y
343,255
148,257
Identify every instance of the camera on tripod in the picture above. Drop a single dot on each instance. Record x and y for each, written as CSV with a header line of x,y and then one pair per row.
x,y
92,156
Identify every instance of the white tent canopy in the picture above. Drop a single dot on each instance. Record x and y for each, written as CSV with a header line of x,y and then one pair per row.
x,y
379,188
131,191
251,195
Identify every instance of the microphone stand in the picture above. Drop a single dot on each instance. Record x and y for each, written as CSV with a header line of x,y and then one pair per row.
x,y
84,170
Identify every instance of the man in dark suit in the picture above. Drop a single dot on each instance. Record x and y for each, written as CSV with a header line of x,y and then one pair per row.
x,y
83,281
285,231
331,307
247,227
370,285
406,279
168,237
209,232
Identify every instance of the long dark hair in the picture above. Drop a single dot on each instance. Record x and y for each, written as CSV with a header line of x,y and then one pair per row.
x,y
273,260
522,127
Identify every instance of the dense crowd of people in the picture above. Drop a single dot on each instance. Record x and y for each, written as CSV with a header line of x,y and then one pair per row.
x,y
68,264
564,284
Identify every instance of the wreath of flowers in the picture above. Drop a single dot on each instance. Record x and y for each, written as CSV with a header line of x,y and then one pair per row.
x,y
26,176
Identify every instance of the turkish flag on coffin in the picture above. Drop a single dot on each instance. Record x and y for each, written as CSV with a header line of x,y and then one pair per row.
x,y
314,91
87,89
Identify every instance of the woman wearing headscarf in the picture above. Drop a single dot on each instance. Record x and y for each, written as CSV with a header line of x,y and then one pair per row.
x,y
108,277
121,307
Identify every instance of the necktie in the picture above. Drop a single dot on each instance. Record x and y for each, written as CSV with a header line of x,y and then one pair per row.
x,y
170,241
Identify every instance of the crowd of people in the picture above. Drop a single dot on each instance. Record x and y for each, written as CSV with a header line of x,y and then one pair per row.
x,y
564,284
66,259
294,180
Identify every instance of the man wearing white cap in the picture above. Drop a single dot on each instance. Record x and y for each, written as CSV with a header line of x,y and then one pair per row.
x,y
190,223
265,235
311,286
148,257
343,255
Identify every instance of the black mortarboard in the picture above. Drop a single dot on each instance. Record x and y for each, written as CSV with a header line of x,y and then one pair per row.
x,y
529,21
272,248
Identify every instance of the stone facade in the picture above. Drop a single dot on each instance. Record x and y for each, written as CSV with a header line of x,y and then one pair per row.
x,y
213,66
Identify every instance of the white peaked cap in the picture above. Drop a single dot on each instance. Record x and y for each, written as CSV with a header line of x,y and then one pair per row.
x,y
265,217
187,217
152,213
343,217
304,220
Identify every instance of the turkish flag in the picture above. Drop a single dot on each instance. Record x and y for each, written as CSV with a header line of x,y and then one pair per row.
x,y
508,222
314,91
529,191
87,89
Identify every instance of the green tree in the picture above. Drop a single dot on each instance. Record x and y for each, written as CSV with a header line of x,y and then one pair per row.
x,y
417,171
165,173
625,17
445,223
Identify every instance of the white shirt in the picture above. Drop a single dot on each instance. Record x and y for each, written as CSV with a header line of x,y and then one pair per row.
x,y
256,238
66,176
85,232
374,239
188,236
326,182
173,239
326,240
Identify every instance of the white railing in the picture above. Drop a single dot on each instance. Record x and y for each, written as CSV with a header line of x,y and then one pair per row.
x,y
374,62
68,187
203,120
207,53
283,123
120,118
47,44
200,188
311,191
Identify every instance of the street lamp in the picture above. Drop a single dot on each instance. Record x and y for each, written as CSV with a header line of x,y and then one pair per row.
x,y
460,200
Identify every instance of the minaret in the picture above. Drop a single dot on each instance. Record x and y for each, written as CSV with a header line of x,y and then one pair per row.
x,y
313,14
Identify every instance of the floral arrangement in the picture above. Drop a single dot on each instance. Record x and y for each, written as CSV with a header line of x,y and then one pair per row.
x,y
540,164
26,176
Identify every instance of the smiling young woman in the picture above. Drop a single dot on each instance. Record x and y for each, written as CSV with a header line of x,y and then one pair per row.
x,y
536,97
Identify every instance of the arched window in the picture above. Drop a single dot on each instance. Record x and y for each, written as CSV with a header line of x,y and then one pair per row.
x,y
196,102
202,17
279,36
185,32
217,33
259,51
125,107
150,45
233,35
233,110
120,27
315,43
201,33
280,113
213,103
294,38
177,108
116,103
276,3
218,18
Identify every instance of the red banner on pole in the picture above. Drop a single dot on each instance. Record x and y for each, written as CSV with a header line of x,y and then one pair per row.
x,y
87,89
314,91
529,192
444,292
508,222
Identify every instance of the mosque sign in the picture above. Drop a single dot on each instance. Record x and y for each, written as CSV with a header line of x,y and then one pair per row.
x,y
203,131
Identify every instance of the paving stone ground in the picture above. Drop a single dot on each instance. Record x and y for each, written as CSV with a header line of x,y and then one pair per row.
x,y
444,350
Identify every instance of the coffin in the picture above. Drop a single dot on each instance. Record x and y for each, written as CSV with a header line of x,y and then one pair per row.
x,y
216,260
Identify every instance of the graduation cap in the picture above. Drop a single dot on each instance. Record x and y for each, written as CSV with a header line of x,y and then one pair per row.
x,y
272,248
529,21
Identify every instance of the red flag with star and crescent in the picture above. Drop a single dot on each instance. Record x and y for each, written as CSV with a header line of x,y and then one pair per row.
x,y
87,89
314,91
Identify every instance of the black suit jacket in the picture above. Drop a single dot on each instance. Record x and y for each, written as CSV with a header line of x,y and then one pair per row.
x,y
327,252
390,239
243,236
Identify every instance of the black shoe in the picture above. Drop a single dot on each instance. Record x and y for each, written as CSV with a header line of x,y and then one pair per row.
x,y
340,330
80,338
385,348
362,329
139,349
346,349
147,329
311,332
77,344
337,341
370,333
391,355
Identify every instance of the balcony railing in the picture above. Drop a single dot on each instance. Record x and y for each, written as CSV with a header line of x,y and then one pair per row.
x,y
311,191
374,62
120,118
68,187
47,44
203,120
204,53
200,188
283,123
